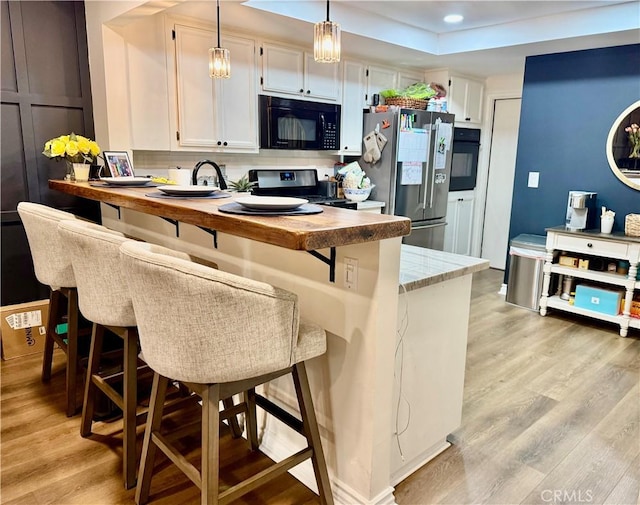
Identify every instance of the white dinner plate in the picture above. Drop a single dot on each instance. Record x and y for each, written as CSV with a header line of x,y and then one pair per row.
x,y
126,181
271,202
175,190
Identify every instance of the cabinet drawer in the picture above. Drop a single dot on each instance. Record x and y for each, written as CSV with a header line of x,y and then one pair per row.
x,y
592,246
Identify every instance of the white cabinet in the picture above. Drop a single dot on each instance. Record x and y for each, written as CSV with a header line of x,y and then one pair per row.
x,y
379,79
353,102
406,79
457,235
592,244
220,114
291,71
464,98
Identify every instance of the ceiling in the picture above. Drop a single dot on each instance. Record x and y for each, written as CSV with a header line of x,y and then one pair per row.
x,y
494,38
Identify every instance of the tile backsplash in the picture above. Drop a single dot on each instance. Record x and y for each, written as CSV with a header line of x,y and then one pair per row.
x,y
157,163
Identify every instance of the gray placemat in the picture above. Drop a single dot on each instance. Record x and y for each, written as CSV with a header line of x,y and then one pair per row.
x,y
102,184
236,208
216,194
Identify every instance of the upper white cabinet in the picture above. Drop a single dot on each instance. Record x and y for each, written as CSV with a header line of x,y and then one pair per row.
x,y
406,79
464,98
353,102
379,79
215,113
291,71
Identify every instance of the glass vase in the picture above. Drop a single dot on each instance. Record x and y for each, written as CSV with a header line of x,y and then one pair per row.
x,y
69,174
635,151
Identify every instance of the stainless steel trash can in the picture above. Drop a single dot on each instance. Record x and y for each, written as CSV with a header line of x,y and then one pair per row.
x,y
524,284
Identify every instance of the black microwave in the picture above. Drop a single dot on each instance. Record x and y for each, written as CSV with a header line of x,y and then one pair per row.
x,y
297,124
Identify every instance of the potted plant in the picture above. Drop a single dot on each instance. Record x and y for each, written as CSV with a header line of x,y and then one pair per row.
x,y
77,151
242,185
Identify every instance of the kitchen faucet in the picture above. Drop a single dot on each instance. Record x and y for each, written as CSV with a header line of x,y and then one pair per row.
x,y
221,181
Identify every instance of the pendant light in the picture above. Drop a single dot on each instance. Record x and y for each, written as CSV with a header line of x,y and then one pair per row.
x,y
326,41
219,58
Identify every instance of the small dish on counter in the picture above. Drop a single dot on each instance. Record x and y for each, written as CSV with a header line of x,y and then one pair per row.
x,y
175,190
271,202
126,181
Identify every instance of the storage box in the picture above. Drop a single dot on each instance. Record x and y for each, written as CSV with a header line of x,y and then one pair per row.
x,y
634,309
568,261
23,328
602,300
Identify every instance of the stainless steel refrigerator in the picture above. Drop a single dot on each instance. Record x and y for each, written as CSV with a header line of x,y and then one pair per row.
x,y
413,172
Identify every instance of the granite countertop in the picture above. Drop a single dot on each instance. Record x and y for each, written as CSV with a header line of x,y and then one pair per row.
x,y
420,267
370,204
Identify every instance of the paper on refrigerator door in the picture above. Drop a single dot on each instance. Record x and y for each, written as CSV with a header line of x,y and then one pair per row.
x,y
443,133
413,145
411,173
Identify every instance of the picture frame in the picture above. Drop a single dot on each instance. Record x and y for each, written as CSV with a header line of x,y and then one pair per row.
x,y
118,163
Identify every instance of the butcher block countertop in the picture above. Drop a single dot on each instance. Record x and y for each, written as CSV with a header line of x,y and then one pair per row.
x,y
331,228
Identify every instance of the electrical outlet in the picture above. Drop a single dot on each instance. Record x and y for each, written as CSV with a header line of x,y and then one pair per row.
x,y
351,273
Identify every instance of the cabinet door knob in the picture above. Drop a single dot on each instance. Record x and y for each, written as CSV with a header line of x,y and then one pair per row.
x,y
589,244
302,91
224,143
467,119
308,92
219,143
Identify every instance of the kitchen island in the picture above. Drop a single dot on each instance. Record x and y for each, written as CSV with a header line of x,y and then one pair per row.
x,y
353,383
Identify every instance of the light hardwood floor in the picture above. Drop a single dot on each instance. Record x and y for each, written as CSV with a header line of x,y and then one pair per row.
x,y
551,415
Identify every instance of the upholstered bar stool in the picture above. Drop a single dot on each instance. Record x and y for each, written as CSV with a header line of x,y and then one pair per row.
x,y
103,298
52,265
195,327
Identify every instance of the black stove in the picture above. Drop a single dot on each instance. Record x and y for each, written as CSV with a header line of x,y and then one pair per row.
x,y
299,183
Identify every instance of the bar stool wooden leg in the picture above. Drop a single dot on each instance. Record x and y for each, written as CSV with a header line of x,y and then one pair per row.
x,y
130,394
210,445
154,419
72,351
90,388
312,433
251,418
47,358
233,421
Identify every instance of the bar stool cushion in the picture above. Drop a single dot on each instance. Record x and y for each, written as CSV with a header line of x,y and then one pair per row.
x,y
236,327
103,294
51,262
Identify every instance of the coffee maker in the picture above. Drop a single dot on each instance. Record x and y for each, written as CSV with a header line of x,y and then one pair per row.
x,y
581,210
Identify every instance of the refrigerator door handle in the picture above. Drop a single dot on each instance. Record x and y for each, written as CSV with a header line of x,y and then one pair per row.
x,y
424,227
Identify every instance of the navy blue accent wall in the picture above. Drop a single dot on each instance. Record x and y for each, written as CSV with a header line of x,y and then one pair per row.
x,y
569,103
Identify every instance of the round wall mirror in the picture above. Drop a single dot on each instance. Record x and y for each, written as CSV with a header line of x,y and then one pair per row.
x,y
619,147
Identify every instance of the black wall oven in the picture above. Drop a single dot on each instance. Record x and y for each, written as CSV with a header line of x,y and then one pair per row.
x,y
298,124
464,162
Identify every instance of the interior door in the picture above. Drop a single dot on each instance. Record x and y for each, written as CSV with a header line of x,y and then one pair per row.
x,y
502,161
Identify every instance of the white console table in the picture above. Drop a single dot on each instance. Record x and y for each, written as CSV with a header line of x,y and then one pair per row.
x,y
615,246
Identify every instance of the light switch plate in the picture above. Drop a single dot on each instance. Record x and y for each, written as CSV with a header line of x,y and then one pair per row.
x,y
534,179
351,273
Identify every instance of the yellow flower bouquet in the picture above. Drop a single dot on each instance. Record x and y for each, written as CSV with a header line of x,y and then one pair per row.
x,y
73,148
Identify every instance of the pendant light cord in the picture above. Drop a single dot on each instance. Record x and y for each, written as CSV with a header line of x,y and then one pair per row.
x,y
218,14
327,10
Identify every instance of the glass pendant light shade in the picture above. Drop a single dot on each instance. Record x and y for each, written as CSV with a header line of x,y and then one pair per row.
x,y
219,58
326,42
219,63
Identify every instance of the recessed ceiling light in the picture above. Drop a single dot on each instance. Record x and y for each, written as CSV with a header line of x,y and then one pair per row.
x,y
453,18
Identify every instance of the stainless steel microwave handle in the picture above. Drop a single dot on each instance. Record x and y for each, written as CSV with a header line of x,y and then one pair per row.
x,y
323,128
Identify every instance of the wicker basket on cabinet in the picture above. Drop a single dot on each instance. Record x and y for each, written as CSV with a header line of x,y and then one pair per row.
x,y
407,103
632,225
